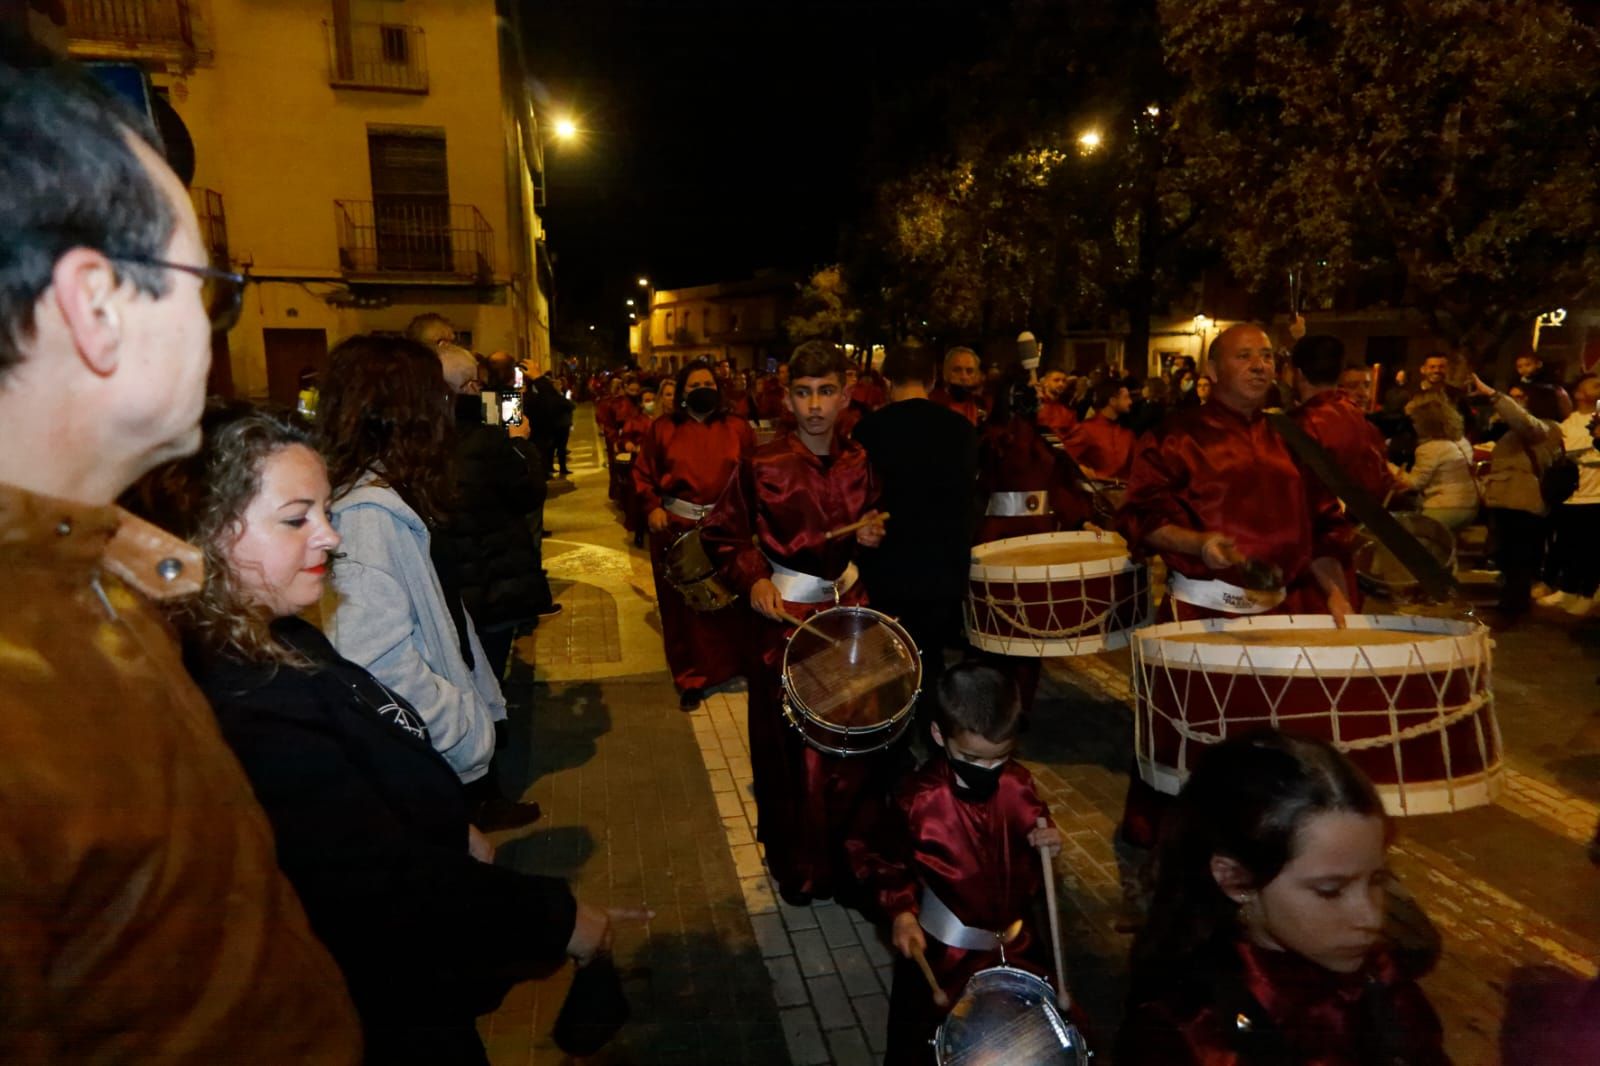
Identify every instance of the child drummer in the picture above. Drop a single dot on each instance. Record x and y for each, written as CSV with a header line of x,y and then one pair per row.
x,y
957,859
769,537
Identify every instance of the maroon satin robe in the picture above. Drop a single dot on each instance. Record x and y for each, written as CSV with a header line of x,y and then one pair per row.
x,y
1102,446
632,426
769,399
1014,457
1211,468
1056,417
976,859
1336,423
691,461
974,408
780,506
1299,1014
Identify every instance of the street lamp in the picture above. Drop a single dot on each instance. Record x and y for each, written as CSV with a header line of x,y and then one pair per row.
x,y
644,283
1089,140
629,301
565,128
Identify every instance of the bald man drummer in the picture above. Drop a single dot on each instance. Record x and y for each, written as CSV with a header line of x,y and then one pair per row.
x,y
1216,492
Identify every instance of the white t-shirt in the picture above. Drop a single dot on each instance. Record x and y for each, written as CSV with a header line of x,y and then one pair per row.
x,y
1580,446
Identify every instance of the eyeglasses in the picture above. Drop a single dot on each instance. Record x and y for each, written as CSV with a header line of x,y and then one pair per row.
x,y
221,291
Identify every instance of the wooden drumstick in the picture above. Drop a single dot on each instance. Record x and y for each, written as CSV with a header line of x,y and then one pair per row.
x,y
806,625
940,1000
1062,999
843,531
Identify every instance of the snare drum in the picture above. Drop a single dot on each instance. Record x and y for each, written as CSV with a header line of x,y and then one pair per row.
x,y
689,570
1053,594
1407,698
1008,1017
1378,570
850,678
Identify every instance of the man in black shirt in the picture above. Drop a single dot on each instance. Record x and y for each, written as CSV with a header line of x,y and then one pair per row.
x,y
926,457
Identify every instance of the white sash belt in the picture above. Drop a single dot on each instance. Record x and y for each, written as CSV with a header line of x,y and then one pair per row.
x,y
1220,596
808,588
941,923
684,509
1018,504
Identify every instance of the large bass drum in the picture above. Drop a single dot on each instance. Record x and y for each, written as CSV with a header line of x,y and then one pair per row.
x,y
850,678
1407,698
1052,594
1008,1017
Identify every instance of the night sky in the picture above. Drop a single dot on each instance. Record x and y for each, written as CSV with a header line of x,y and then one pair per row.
x,y
720,137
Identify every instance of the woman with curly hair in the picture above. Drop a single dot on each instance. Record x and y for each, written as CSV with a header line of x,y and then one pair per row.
x,y
385,424
1441,473
369,820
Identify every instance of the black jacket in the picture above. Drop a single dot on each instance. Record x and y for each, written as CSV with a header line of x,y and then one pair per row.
x,y
488,536
371,829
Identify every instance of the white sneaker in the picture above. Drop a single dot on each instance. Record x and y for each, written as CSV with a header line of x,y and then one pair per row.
x,y
1556,599
1580,606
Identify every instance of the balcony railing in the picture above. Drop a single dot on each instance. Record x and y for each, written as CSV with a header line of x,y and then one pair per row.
x,y
386,56
213,223
405,239
137,28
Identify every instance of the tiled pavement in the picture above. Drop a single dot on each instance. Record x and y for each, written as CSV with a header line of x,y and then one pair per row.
x,y
727,973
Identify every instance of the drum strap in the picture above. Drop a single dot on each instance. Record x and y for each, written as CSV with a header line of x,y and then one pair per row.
x,y
808,588
684,509
941,923
1018,504
1219,595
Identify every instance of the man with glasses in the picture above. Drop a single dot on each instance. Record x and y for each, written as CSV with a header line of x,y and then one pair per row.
x,y
142,913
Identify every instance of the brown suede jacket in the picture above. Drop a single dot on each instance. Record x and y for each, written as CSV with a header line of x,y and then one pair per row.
x,y
142,914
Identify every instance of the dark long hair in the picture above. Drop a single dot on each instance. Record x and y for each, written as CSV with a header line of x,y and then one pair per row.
x,y
384,409
203,498
679,411
1247,800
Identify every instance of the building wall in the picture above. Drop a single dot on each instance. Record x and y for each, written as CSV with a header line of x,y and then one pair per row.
x,y
281,145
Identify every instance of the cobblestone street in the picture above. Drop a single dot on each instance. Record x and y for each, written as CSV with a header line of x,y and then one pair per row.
x,y
645,804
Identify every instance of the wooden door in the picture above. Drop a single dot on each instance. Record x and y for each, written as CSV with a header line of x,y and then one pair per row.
x,y
291,353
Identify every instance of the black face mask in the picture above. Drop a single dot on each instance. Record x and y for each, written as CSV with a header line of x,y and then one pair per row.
x,y
981,782
702,401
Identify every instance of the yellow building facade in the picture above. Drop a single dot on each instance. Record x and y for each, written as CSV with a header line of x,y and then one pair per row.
x,y
737,320
364,160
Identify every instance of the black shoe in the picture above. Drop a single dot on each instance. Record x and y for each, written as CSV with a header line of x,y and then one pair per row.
x,y
549,612
690,698
566,473
498,812
794,897
544,532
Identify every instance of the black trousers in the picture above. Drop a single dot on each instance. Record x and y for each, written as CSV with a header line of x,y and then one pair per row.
x,y
1575,550
1519,543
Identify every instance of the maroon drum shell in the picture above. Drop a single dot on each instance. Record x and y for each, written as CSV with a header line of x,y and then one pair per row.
x,y
1061,603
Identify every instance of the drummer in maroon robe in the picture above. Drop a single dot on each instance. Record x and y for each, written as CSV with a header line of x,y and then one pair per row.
x,y
769,538
961,385
1217,493
1330,418
1054,414
684,463
1102,445
1024,484
956,858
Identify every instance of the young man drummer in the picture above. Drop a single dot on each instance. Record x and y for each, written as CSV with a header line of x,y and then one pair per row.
x,y
685,461
956,858
769,538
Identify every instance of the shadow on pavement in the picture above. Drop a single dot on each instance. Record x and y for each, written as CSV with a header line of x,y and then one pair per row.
x,y
548,727
559,852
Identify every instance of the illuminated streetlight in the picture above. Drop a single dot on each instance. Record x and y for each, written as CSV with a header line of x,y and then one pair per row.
x,y
644,283
1153,111
565,128
629,301
1089,140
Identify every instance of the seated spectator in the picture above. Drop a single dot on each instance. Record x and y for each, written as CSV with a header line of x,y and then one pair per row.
x,y
370,821
1264,942
1441,473
1518,517
385,426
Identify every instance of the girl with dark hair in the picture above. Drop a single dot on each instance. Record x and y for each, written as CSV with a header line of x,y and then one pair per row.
x,y
369,820
385,424
683,464
1263,943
